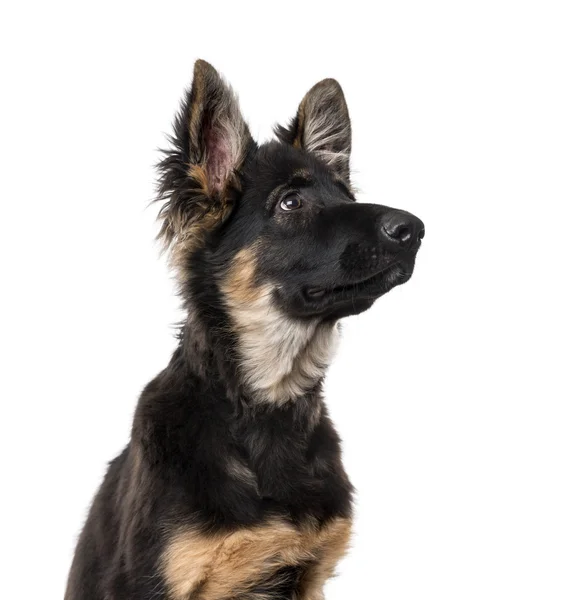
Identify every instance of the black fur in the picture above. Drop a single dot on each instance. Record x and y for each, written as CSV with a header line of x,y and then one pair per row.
x,y
328,261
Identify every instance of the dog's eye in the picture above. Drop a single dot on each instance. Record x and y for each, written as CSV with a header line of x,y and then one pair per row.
x,y
291,202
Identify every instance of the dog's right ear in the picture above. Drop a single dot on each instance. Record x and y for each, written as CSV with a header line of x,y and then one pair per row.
x,y
198,175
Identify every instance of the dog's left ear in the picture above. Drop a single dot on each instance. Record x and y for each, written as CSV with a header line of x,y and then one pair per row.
x,y
322,126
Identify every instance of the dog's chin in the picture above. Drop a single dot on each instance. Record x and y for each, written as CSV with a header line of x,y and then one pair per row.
x,y
346,298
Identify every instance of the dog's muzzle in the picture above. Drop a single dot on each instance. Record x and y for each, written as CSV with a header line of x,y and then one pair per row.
x,y
364,251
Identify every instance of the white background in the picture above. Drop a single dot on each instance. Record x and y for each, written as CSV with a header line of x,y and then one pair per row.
x,y
459,396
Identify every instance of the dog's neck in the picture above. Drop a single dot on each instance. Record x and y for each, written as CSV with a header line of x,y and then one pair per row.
x,y
269,357
281,358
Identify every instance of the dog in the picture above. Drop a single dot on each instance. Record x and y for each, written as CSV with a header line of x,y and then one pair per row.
x,y
232,485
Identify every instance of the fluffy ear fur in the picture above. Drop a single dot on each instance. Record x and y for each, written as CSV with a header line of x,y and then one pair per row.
x,y
199,174
322,126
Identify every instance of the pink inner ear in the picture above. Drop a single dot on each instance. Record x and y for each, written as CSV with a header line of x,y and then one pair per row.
x,y
219,163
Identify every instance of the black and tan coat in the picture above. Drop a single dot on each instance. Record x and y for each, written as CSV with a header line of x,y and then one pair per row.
x,y
232,487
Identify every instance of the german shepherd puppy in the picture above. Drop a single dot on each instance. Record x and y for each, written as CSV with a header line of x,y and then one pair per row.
x,y
232,486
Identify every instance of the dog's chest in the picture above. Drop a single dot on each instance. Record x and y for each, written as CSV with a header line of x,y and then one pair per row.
x,y
235,563
298,468
285,463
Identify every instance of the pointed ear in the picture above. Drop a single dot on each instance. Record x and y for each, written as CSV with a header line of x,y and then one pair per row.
x,y
218,135
199,174
322,126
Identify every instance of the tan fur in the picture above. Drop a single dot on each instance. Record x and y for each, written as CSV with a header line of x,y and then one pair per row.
x,y
197,173
185,231
281,357
240,286
334,545
223,565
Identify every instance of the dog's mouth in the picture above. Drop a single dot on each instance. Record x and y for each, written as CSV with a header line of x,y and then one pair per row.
x,y
368,288
342,294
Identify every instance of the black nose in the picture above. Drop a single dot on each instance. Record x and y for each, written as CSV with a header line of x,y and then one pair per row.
x,y
402,229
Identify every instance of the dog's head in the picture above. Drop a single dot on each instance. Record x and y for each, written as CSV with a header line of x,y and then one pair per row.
x,y
274,229
284,210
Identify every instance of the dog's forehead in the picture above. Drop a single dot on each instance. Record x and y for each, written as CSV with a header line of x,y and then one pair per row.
x,y
275,164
